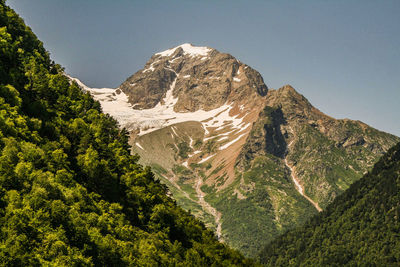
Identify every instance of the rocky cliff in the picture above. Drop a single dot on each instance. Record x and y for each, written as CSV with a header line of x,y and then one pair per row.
x,y
204,79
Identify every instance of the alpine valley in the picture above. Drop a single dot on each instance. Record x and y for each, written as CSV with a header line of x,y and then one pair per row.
x,y
249,161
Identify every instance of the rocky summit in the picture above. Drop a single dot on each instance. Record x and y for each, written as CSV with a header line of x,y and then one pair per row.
x,y
249,161
191,72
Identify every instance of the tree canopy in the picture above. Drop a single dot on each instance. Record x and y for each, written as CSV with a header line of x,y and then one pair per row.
x,y
70,192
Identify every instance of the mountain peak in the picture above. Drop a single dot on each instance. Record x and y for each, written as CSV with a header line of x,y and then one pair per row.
x,y
188,49
196,77
288,94
288,87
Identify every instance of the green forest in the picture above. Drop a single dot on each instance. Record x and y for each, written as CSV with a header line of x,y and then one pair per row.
x,y
70,192
361,227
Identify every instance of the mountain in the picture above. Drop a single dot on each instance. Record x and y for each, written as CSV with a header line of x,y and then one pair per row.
x,y
71,194
249,161
360,227
190,70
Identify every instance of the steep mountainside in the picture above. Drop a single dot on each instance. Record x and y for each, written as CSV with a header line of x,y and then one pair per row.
x,y
71,194
192,71
360,227
251,162
295,161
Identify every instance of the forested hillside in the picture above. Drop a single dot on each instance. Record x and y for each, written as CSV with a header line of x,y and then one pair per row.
x,y
70,192
360,227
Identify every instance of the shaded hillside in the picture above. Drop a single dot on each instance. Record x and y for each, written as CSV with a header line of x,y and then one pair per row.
x,y
360,227
70,192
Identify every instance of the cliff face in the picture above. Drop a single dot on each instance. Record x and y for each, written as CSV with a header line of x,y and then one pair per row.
x,y
248,161
204,79
265,138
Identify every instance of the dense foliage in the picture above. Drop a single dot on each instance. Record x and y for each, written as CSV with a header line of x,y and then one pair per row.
x,y
70,192
360,227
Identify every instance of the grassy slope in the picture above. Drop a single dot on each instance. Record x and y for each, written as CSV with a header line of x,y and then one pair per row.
x,y
266,205
328,168
174,146
360,227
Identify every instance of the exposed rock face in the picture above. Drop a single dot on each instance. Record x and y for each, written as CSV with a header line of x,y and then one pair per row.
x,y
265,138
205,79
149,87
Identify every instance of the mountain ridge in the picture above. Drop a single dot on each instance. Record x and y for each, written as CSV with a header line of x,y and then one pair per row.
x,y
220,73
253,153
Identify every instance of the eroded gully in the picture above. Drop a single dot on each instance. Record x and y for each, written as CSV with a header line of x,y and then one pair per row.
x,y
296,181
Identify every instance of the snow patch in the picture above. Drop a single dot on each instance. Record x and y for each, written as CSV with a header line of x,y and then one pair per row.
x,y
138,145
163,114
191,142
232,142
80,84
223,138
113,103
173,60
207,158
173,129
151,68
188,49
236,79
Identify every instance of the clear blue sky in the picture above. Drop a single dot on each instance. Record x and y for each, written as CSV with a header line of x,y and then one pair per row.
x,y
343,55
